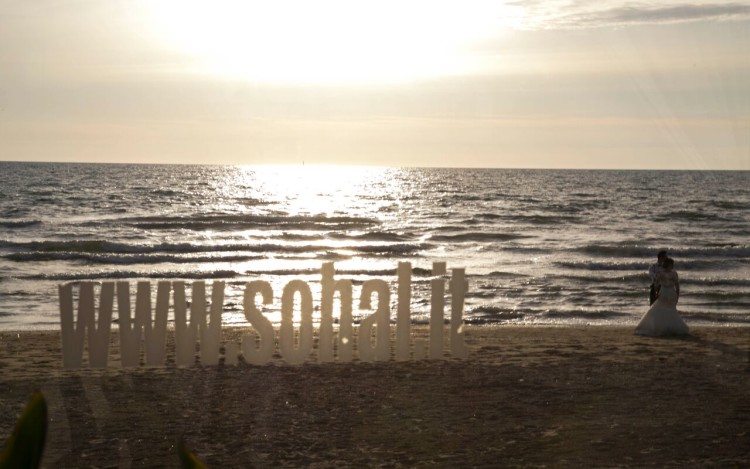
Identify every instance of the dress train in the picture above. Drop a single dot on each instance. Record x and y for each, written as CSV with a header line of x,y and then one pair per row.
x,y
663,319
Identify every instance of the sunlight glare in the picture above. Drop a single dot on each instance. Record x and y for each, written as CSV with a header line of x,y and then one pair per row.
x,y
316,189
327,41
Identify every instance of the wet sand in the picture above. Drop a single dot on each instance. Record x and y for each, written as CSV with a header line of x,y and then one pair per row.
x,y
525,397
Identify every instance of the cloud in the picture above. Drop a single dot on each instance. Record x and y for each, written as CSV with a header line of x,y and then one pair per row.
x,y
558,15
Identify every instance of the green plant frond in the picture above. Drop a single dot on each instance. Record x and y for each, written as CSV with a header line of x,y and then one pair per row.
x,y
25,446
187,459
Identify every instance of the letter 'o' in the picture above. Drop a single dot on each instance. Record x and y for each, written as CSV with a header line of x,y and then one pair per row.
x,y
290,354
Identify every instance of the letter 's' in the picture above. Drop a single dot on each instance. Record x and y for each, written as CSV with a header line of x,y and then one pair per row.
x,y
260,353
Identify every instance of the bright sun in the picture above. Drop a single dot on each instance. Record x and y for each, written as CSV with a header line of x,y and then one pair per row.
x,y
327,41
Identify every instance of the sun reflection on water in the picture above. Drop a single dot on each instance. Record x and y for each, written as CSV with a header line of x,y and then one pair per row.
x,y
318,189
322,212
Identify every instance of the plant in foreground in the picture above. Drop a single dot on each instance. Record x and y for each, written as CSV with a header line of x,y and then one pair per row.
x,y
25,446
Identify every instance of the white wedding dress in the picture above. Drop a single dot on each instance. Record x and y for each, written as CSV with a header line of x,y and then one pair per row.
x,y
662,319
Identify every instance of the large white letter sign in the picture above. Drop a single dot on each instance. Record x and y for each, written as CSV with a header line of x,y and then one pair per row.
x,y
143,337
403,314
437,311
262,353
73,334
156,332
186,333
130,333
296,356
210,335
210,329
325,342
458,287
329,287
380,320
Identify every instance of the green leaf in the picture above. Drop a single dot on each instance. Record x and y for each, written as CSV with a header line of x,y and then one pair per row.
x,y
25,446
187,459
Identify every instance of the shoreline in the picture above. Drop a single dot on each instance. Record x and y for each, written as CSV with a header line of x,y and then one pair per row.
x,y
526,396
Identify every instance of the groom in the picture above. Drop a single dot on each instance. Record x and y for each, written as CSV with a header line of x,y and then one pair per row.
x,y
653,271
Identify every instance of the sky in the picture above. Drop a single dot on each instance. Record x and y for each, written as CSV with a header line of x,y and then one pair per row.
x,y
462,83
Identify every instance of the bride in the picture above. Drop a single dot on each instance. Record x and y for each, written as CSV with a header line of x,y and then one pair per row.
x,y
662,318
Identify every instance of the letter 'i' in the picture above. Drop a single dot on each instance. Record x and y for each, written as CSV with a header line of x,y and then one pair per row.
x,y
437,310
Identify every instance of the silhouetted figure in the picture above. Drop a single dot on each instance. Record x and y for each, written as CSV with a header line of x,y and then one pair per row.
x,y
663,319
653,272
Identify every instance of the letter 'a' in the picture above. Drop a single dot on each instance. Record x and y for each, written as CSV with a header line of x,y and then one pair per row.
x,y
379,321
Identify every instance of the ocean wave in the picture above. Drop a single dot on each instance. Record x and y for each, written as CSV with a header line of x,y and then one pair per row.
x,y
495,313
579,314
130,274
390,249
18,293
715,282
124,258
68,246
488,314
101,246
721,304
488,216
728,251
19,223
499,274
373,236
244,222
299,237
716,317
167,193
14,212
640,265
641,277
724,295
199,275
479,236
416,272
542,219
730,204
690,215
250,201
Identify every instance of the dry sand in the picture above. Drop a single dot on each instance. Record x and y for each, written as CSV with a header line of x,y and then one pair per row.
x,y
526,396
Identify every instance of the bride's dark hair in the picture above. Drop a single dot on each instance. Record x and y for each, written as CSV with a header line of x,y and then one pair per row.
x,y
669,263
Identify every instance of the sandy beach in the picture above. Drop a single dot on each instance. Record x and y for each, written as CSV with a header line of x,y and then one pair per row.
x,y
525,397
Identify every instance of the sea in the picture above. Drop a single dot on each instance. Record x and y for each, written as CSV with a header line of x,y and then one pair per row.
x,y
539,247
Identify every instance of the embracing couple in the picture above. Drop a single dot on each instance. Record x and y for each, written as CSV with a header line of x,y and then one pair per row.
x,y
662,318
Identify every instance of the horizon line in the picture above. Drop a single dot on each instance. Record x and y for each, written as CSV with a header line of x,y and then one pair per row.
x,y
354,165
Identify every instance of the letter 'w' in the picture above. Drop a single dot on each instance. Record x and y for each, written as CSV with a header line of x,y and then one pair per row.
x,y
142,325
73,333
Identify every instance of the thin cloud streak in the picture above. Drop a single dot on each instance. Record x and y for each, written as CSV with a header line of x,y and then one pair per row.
x,y
548,15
